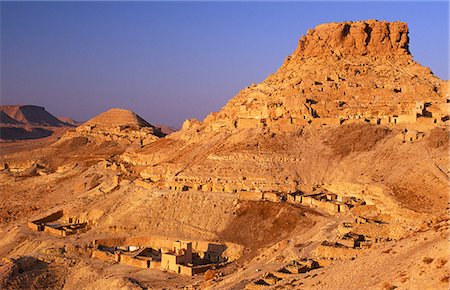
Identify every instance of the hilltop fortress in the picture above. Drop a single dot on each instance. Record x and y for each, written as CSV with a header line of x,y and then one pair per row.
x,y
340,73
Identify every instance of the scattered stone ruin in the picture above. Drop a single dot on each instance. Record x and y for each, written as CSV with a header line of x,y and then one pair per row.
x,y
286,272
182,257
328,202
59,225
24,168
365,226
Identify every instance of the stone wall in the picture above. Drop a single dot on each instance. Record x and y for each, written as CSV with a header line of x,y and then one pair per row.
x,y
335,252
54,232
250,195
134,261
103,255
229,250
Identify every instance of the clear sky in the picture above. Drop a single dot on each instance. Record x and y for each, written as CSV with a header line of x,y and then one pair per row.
x,y
170,61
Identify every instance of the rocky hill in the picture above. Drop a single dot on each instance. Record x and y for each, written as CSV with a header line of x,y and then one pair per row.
x,y
118,117
340,73
354,79
117,125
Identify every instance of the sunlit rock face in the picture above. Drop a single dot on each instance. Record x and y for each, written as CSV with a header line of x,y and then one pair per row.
x,y
339,73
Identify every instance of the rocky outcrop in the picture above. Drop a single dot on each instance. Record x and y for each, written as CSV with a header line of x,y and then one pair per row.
x,y
349,72
117,125
118,117
371,37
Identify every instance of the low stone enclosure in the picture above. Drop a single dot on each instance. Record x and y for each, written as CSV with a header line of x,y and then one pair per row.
x,y
329,202
59,225
363,227
355,236
272,278
154,252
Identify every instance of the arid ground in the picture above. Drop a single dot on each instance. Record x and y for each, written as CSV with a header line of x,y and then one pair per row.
x,y
330,174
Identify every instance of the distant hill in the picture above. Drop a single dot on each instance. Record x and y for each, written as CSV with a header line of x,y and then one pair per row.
x,y
118,117
30,115
18,122
70,121
117,125
166,129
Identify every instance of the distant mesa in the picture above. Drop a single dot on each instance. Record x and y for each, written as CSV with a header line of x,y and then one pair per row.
x,y
19,122
30,115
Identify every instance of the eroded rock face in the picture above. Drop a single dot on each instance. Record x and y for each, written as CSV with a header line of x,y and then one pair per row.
x,y
355,38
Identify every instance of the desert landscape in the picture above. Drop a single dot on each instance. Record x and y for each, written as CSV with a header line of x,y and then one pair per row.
x,y
332,173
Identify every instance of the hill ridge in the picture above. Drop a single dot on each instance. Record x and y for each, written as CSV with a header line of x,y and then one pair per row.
x,y
31,115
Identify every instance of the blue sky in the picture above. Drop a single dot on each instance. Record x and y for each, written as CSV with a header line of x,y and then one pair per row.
x,y
169,61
